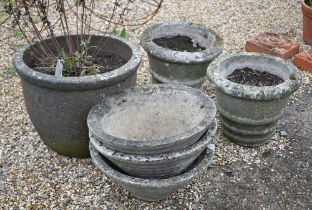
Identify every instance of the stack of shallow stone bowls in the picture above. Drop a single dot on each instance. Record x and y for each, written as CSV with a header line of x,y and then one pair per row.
x,y
152,139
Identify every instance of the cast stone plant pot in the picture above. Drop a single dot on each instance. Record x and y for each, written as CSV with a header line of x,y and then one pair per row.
x,y
175,67
151,189
249,114
58,107
160,165
307,22
152,119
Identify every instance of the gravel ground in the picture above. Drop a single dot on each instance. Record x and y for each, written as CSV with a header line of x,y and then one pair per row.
x,y
274,176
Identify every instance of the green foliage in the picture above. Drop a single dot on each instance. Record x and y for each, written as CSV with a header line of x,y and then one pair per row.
x,y
292,76
36,19
79,61
9,71
122,33
17,33
18,45
71,61
309,2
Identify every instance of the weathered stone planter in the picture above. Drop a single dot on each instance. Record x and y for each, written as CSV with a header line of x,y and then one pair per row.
x,y
175,67
160,165
152,119
58,107
248,113
151,189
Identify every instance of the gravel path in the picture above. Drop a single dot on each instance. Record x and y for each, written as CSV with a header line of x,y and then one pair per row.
x,y
274,176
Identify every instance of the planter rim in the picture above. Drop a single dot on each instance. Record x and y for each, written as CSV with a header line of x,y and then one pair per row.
x,y
152,183
306,9
146,41
113,142
163,157
78,83
253,92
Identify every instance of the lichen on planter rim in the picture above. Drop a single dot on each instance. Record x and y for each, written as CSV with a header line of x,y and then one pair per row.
x,y
202,35
176,67
249,114
222,67
74,83
156,95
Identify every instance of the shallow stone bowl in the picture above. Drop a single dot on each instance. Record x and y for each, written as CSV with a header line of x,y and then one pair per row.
x,y
152,119
157,165
151,189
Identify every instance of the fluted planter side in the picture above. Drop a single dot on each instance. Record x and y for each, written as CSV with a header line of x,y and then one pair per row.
x,y
151,189
160,165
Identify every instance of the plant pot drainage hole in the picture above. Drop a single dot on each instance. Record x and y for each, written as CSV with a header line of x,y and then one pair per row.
x,y
248,76
179,43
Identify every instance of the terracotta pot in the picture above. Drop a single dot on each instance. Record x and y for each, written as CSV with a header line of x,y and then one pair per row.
x,y
307,22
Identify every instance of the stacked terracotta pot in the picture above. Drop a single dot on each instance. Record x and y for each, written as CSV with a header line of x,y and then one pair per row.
x,y
152,139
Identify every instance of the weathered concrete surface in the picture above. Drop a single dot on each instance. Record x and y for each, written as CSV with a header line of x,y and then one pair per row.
x,y
152,119
152,189
282,180
161,165
58,107
250,113
176,67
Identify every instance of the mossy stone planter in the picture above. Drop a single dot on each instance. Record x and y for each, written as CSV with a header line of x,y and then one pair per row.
x,y
58,107
151,189
152,119
175,67
249,114
158,165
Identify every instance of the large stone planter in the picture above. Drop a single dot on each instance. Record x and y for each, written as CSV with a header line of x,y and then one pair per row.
x,y
175,67
151,189
58,107
248,113
158,165
151,119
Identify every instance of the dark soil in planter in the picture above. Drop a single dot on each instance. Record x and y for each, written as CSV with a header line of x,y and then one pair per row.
x,y
247,76
179,43
105,61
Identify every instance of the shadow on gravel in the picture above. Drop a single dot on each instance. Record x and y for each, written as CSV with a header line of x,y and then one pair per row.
x,y
284,182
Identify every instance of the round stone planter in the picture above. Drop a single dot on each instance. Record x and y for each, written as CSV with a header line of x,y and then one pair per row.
x,y
58,107
175,67
249,114
151,119
307,22
151,189
160,165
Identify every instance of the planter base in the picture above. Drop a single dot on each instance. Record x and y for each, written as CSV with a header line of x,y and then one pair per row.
x,y
247,140
247,135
